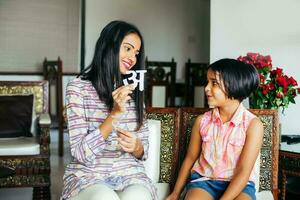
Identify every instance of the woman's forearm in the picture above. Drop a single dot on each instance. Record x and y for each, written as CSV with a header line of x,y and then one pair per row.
x,y
139,150
106,127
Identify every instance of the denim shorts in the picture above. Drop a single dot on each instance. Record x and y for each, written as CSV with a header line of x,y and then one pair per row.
x,y
216,188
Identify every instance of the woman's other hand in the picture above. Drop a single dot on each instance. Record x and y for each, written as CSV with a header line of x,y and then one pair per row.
x,y
128,141
121,95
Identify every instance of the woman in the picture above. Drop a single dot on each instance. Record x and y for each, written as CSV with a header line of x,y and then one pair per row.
x,y
107,161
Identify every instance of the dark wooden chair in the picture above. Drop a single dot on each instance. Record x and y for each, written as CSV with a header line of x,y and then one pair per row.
x,y
27,159
268,180
160,83
52,71
195,81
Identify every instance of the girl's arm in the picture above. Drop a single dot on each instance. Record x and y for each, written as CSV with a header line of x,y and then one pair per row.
x,y
251,149
190,158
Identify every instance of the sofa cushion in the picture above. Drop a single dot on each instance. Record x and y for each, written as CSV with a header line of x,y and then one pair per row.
x,y
264,195
15,115
257,172
152,164
163,190
19,146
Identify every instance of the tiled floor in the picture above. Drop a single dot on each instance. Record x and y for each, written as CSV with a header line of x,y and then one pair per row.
x,y
57,171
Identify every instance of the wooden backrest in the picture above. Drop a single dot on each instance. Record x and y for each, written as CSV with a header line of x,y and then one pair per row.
x,y
52,71
195,75
38,88
169,147
269,151
161,73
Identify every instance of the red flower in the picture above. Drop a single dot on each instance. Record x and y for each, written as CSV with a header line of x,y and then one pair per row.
x,y
292,81
276,72
261,78
282,81
266,88
279,95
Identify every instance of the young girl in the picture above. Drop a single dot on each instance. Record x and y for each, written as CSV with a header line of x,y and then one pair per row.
x,y
107,162
225,141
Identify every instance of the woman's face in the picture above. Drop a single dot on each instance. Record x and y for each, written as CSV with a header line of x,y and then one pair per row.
x,y
129,50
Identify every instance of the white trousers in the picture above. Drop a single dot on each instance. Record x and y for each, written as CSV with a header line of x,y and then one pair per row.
x,y
103,192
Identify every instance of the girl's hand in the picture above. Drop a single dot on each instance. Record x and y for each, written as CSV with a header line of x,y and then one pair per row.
x,y
128,141
172,196
121,95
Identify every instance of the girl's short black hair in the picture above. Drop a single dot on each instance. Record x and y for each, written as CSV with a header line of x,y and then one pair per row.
x,y
240,79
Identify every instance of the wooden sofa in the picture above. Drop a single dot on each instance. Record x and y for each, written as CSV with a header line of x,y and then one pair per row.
x,y
27,159
176,124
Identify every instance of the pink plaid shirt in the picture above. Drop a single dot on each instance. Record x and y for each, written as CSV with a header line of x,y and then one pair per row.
x,y
222,144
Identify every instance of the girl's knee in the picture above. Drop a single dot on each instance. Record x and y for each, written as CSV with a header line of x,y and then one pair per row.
x,y
135,192
195,194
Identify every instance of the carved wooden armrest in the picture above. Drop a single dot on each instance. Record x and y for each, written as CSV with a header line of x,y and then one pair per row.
x,y
44,130
44,120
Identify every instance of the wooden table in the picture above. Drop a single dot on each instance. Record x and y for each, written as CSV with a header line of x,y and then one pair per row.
x,y
289,158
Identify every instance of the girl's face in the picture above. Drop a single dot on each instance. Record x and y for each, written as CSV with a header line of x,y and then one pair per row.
x,y
129,50
214,90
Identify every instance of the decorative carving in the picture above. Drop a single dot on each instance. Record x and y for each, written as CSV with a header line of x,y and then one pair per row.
x,y
36,90
169,148
18,164
166,147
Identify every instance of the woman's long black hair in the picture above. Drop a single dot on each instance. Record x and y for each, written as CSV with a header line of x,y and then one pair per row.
x,y
104,71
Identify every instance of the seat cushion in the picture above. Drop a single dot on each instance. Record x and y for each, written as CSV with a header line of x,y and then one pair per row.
x,y
163,190
19,146
152,164
15,115
264,195
257,172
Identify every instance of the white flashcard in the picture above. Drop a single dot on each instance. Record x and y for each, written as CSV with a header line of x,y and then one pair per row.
x,y
136,82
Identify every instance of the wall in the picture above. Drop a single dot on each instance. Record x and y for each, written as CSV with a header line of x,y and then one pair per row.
x,y
269,27
34,29
171,28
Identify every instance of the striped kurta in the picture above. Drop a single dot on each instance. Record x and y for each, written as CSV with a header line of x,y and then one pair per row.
x,y
96,160
222,144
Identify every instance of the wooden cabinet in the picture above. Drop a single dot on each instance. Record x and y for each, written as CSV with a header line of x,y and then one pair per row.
x,y
289,157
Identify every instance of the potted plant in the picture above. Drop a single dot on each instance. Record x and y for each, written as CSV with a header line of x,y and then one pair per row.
x,y
276,89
